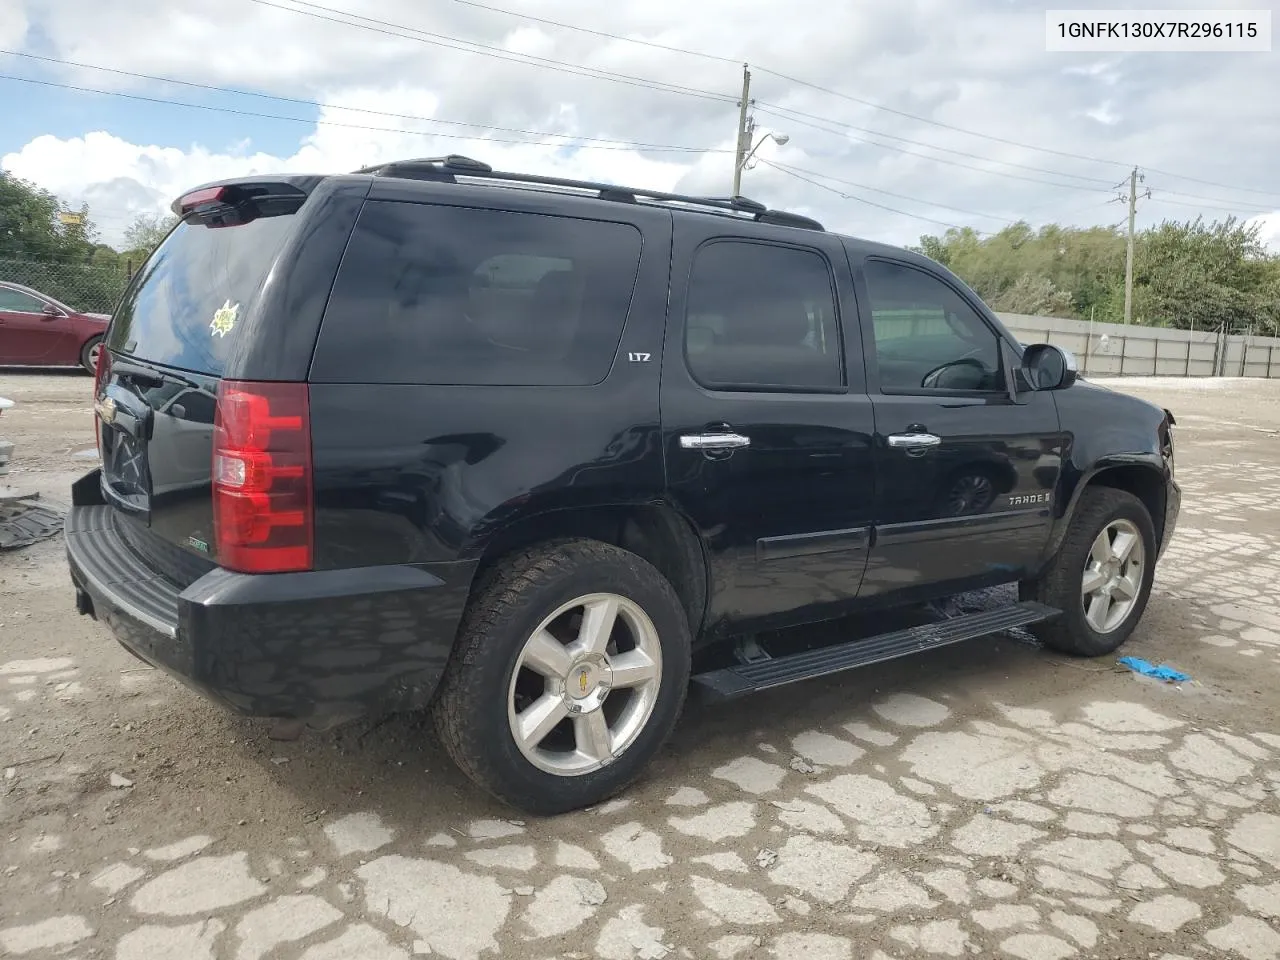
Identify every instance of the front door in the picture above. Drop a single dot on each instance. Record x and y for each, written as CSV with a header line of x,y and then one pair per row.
x,y
29,335
766,423
966,474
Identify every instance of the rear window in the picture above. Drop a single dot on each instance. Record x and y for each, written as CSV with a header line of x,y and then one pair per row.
x,y
186,306
454,295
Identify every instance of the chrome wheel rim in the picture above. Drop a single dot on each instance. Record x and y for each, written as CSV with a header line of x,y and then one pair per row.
x,y
1113,573
94,351
585,684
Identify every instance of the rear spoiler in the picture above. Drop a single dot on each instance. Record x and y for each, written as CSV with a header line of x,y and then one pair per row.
x,y
233,193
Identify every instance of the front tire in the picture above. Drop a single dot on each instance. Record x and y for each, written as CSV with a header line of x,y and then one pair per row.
x,y
1101,577
569,673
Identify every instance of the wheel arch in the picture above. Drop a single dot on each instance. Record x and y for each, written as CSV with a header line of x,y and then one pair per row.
x,y
1143,477
656,532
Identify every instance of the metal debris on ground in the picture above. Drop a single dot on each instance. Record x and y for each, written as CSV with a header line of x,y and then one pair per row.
x,y
24,521
1162,672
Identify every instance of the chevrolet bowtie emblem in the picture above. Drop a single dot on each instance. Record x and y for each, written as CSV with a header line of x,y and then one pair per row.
x,y
106,409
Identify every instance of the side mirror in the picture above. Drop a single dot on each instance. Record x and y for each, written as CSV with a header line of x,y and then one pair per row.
x,y
1046,366
50,311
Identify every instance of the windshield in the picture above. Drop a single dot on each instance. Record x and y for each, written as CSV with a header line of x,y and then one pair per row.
x,y
185,307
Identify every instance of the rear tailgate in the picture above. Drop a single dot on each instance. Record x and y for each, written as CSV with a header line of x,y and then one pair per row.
x,y
172,340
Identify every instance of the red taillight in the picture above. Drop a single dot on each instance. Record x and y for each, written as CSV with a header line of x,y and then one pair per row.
x,y
262,508
101,372
198,198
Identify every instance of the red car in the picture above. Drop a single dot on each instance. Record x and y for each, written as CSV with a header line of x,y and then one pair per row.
x,y
38,331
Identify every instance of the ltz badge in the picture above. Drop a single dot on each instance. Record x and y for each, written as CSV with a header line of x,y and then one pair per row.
x,y
224,319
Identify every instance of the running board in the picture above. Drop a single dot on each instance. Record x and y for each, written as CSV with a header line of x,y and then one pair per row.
x,y
743,678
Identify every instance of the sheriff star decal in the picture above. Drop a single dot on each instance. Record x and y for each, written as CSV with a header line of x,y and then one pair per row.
x,y
224,319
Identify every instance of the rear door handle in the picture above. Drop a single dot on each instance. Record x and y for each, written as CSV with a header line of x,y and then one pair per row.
x,y
914,440
714,441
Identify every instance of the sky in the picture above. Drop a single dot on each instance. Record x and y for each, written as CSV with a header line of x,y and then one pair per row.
x,y
902,117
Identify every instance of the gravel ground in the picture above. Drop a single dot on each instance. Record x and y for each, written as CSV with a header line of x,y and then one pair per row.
x,y
990,799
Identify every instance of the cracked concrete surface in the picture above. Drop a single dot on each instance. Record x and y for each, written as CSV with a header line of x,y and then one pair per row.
x,y
988,800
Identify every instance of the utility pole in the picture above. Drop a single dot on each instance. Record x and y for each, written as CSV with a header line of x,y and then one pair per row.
x,y
744,132
1134,177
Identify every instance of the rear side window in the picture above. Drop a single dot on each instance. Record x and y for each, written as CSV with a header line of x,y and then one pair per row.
x,y
186,306
762,317
454,295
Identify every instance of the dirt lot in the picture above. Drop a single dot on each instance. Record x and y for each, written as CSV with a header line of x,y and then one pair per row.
x,y
990,800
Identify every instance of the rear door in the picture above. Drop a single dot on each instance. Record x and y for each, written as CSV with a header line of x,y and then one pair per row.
x,y
967,473
766,425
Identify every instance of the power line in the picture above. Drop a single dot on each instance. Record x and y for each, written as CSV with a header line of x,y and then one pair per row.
x,y
469,46
601,33
778,110
849,97
1204,206
397,30
402,31
870,203
788,168
1210,183
1224,203
943,160
618,145
381,113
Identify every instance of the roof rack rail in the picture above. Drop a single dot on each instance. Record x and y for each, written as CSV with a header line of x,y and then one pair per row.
x,y
782,218
448,168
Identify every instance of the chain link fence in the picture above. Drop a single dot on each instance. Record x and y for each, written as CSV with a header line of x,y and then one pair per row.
x,y
87,287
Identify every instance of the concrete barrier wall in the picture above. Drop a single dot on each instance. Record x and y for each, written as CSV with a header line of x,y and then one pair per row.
x,y
1110,349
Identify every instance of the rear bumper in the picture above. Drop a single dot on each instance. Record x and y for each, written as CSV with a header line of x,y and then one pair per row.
x,y
321,646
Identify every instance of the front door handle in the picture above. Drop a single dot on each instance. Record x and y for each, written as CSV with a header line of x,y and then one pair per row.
x,y
914,440
714,441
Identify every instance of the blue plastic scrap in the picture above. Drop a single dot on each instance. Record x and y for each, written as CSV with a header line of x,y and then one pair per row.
x,y
1162,672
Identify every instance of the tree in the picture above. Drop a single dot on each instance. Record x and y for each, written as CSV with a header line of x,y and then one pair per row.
x,y
145,234
48,244
1198,274
34,224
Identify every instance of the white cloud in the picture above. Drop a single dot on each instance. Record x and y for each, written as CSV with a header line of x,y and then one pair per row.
x,y
967,63
1269,233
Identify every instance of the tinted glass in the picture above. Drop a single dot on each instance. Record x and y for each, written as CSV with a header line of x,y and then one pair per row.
x,y
16,302
927,337
762,317
453,295
185,307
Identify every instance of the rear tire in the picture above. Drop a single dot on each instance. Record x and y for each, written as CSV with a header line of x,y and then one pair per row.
x,y
1101,576
89,354
542,706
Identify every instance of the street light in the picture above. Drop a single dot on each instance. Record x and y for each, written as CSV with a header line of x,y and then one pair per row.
x,y
779,138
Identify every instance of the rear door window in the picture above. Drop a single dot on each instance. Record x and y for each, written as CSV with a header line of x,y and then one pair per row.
x,y
455,295
187,304
762,317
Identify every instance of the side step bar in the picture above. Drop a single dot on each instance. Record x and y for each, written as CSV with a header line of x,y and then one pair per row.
x,y
743,678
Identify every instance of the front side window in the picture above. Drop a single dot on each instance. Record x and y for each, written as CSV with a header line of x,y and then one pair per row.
x,y
14,301
762,317
927,337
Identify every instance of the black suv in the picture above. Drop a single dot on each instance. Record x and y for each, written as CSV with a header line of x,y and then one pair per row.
x,y
538,453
